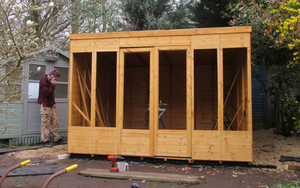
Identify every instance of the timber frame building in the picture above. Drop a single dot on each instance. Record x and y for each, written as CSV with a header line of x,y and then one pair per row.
x,y
171,94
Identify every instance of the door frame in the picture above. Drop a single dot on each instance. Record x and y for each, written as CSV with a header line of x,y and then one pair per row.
x,y
154,95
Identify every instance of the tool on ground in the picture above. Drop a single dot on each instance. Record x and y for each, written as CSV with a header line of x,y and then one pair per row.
x,y
284,158
114,159
13,168
134,185
65,170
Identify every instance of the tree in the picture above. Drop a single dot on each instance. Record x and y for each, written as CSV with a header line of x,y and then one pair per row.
x,y
208,13
101,16
156,14
275,38
18,39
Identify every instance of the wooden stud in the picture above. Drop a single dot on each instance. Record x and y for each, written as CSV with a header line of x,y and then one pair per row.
x,y
92,155
83,115
120,97
93,89
153,105
231,86
82,94
220,89
97,107
237,112
220,162
70,100
189,101
152,129
249,91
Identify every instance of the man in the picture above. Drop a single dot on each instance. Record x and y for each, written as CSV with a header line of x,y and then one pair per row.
x,y
47,104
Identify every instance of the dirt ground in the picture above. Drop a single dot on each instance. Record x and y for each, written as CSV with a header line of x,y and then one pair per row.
x,y
266,171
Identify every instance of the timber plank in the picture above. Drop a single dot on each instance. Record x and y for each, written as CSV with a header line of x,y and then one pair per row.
x,y
178,32
161,177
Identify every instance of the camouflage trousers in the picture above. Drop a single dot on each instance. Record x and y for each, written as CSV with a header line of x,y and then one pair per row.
x,y
49,123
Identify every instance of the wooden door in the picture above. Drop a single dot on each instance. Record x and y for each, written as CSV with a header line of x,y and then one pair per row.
x,y
172,95
135,76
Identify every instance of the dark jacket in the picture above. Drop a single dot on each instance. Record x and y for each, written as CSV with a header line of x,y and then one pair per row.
x,y
46,92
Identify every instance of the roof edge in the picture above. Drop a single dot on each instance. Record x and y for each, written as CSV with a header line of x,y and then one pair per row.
x,y
159,33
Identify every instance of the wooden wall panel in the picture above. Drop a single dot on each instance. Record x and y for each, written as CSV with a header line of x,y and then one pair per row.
x,y
105,141
82,45
206,145
155,41
107,44
80,140
235,40
135,143
171,143
205,42
236,146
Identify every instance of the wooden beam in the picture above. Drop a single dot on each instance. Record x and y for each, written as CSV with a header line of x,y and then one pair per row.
x,y
174,178
237,113
249,91
189,101
82,94
295,167
231,86
93,88
185,32
99,112
83,115
220,90
97,107
120,98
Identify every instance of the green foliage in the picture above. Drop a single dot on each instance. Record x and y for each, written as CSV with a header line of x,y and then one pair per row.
x,y
156,14
207,13
294,184
271,43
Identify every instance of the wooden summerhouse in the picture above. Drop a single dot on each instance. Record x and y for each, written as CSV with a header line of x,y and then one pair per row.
x,y
170,94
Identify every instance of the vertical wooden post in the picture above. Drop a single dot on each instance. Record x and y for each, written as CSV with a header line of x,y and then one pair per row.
x,y
153,64
93,88
93,96
189,101
153,105
249,91
220,90
120,97
70,106
192,90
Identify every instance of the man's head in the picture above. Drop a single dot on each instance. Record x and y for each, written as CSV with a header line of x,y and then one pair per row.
x,y
54,74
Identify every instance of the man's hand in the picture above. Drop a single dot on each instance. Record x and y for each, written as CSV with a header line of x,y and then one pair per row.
x,y
54,105
53,81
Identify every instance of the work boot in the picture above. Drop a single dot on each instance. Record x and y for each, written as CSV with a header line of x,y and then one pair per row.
x,y
47,144
59,141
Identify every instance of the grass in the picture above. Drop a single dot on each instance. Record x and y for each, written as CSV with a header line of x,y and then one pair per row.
x,y
293,184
